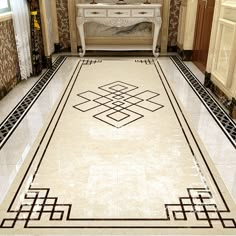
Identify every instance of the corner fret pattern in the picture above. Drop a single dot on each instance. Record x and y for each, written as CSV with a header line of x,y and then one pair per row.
x,y
38,205
201,204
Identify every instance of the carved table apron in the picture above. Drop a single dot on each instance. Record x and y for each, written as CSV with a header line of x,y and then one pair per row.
x,y
118,16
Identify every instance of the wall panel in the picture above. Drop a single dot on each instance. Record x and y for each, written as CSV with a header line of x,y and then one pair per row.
x,y
9,65
63,23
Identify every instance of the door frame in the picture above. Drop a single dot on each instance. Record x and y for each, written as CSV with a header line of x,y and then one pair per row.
x,y
200,66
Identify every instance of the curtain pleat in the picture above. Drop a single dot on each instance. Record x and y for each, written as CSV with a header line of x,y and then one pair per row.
x,y
22,30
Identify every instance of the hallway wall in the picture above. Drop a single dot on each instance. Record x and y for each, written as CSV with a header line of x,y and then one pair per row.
x,y
63,23
9,65
173,22
64,32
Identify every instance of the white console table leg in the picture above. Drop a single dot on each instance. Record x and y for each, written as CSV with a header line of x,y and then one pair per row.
x,y
82,39
155,38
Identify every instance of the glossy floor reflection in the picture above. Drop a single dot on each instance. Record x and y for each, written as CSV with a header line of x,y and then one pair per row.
x,y
118,120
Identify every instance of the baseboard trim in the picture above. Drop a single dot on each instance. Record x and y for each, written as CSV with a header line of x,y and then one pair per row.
x,y
57,47
172,48
229,104
207,81
186,55
47,62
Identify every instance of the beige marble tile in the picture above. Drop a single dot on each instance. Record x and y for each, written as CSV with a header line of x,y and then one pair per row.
x,y
115,165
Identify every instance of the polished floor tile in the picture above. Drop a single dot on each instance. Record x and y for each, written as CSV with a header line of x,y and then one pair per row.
x,y
117,151
133,159
18,145
217,144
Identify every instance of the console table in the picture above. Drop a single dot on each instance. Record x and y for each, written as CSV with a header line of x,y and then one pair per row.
x,y
115,15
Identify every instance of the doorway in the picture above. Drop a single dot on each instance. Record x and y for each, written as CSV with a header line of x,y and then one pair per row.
x,y
205,11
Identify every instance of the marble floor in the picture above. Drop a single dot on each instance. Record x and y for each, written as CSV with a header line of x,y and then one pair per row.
x,y
95,130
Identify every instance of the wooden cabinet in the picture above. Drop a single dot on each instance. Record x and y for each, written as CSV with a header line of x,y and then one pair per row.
x,y
224,57
202,33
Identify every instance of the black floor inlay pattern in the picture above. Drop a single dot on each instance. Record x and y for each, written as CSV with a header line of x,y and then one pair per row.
x,y
218,113
199,208
118,104
10,123
38,205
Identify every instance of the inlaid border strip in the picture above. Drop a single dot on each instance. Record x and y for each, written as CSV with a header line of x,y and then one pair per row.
x,y
10,123
225,122
202,193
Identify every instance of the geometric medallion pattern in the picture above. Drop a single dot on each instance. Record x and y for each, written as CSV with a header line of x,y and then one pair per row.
x,y
218,113
11,122
118,107
38,205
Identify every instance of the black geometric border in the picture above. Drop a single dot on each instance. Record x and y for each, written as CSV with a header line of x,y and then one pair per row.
x,y
10,123
196,204
225,122
180,214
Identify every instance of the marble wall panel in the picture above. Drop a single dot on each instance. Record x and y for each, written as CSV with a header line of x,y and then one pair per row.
x,y
9,65
143,29
64,34
63,23
173,22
